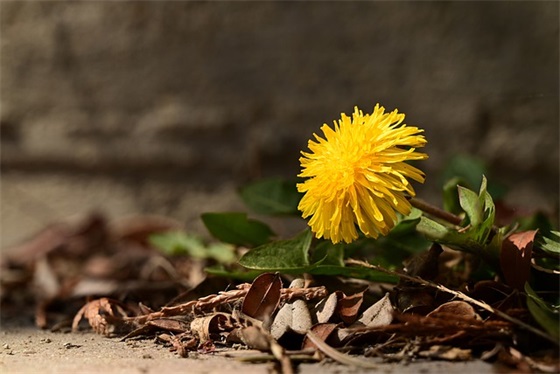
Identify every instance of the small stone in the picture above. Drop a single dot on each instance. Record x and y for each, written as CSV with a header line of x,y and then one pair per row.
x,y
46,340
70,345
6,346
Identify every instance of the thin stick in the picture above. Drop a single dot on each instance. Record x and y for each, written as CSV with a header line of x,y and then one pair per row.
x,y
338,356
459,295
435,211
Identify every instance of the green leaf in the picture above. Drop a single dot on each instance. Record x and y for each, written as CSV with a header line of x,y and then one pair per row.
x,y
272,196
550,245
179,243
545,315
437,232
470,203
282,255
236,228
328,253
474,237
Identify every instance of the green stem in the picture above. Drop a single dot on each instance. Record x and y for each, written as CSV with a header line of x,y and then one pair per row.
x,y
435,211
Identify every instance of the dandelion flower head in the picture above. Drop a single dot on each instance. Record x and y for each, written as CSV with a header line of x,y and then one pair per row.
x,y
357,175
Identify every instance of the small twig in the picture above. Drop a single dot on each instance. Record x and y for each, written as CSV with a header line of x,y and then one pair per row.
x,y
435,211
338,356
459,295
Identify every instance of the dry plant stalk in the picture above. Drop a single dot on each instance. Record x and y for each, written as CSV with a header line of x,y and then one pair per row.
x,y
210,302
459,295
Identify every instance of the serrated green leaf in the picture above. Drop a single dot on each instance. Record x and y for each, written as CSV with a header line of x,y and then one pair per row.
x,y
282,255
272,196
236,228
545,315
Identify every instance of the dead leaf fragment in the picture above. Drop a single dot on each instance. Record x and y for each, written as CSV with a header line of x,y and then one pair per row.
x,y
447,353
515,258
212,324
322,330
263,297
105,316
325,308
348,307
458,309
292,316
255,338
379,314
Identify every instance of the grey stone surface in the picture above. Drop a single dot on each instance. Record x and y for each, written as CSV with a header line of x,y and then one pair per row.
x,y
168,107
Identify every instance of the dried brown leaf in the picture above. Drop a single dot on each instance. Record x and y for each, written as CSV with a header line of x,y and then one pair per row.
x,y
325,308
515,258
379,314
293,316
458,309
255,338
263,297
414,299
169,324
322,330
105,316
425,265
212,324
348,307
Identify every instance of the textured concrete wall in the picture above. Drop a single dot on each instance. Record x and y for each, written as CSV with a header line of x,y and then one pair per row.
x,y
167,107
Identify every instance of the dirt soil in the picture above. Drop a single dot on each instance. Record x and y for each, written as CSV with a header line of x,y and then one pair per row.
x,y
26,349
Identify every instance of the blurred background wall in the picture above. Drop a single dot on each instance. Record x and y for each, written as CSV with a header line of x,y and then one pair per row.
x,y
168,107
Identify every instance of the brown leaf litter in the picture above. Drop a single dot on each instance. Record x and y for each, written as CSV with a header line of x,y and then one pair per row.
x,y
109,275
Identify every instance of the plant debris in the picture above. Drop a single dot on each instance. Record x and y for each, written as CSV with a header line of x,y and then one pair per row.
x,y
473,291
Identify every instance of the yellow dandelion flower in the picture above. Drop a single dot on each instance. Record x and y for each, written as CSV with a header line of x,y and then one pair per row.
x,y
357,175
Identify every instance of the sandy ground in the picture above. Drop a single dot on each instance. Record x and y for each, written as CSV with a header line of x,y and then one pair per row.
x,y
25,349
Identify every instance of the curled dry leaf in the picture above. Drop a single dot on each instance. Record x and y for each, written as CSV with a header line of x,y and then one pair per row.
x,y
212,324
263,297
515,258
105,316
293,316
325,308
